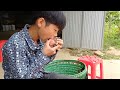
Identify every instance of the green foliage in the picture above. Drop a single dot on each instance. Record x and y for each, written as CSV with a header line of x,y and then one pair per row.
x,y
112,31
113,17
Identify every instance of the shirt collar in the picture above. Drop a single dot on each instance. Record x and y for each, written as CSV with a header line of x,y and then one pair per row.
x,y
29,40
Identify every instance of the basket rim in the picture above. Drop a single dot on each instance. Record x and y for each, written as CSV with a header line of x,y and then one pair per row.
x,y
65,61
62,60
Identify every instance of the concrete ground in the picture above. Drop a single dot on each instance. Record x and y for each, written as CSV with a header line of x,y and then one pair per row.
x,y
1,71
111,67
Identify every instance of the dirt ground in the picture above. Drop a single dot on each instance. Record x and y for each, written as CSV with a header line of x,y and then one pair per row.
x,y
111,67
113,51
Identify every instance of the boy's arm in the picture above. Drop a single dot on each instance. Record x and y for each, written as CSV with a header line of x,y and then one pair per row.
x,y
20,65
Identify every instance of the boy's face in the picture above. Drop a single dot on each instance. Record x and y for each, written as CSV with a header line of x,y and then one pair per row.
x,y
47,31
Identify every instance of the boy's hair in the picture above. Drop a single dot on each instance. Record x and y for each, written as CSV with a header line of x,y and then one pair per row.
x,y
51,17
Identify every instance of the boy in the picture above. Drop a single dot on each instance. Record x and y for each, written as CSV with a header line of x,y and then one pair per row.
x,y
27,52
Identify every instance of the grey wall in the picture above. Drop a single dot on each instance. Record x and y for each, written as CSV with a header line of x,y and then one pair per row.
x,y
73,30
84,29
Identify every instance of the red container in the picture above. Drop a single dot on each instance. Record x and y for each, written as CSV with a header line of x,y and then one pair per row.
x,y
2,42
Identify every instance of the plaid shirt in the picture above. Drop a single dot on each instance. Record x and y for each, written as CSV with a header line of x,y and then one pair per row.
x,y
22,58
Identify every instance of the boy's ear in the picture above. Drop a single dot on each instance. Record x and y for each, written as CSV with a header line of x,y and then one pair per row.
x,y
40,22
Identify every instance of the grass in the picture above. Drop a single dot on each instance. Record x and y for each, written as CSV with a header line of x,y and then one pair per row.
x,y
84,52
111,37
110,56
80,52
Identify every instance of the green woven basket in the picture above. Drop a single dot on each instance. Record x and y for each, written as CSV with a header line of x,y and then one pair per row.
x,y
72,68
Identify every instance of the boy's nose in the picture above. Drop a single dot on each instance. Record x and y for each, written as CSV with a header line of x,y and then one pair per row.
x,y
55,35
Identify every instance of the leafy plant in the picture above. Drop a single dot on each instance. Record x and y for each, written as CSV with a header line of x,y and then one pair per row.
x,y
112,30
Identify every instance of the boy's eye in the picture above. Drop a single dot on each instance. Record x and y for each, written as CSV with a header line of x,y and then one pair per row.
x,y
55,30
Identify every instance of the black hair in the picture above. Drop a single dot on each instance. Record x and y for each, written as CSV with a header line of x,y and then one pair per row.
x,y
51,17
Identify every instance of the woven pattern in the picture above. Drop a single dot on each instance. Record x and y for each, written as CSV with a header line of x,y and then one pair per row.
x,y
67,67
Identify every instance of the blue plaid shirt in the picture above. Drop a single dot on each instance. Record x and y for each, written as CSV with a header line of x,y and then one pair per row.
x,y
22,58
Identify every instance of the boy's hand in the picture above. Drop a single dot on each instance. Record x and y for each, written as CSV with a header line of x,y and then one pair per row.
x,y
59,43
51,47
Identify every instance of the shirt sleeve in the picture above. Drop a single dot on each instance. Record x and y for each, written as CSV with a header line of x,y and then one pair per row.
x,y
20,66
45,59
53,56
